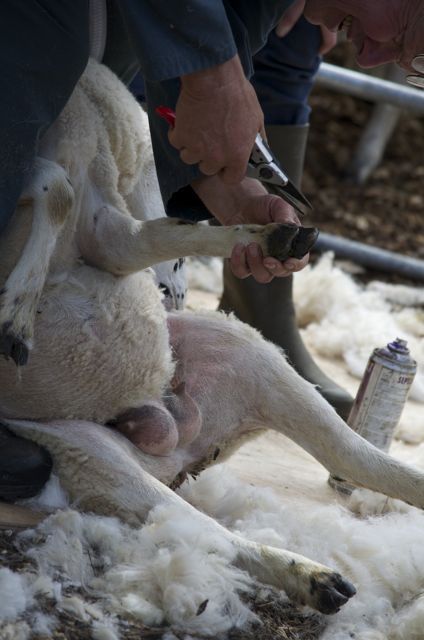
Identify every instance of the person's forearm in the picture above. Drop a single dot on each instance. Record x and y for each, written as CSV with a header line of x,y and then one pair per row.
x,y
203,82
225,202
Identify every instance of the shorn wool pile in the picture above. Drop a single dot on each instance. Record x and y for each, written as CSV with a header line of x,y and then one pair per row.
x,y
169,573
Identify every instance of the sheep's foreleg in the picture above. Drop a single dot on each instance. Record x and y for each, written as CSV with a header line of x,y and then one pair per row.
x,y
120,244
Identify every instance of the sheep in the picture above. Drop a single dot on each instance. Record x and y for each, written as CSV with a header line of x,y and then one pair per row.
x,y
104,360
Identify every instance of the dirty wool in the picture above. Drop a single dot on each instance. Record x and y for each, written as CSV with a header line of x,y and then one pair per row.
x,y
171,573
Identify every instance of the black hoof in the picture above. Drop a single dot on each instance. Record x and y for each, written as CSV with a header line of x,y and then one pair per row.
x,y
279,241
11,346
332,593
303,242
290,241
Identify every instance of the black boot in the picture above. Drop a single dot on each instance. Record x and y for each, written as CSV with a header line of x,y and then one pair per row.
x,y
24,466
269,307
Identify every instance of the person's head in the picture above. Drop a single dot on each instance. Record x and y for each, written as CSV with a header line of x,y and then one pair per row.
x,y
381,30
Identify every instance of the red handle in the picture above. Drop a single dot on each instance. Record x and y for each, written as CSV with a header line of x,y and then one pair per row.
x,y
167,114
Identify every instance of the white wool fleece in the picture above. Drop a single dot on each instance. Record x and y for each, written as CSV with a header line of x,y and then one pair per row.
x,y
382,556
163,572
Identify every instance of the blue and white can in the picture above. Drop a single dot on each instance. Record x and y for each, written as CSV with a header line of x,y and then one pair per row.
x,y
380,399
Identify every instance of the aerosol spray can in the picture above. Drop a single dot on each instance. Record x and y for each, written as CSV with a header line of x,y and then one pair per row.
x,y
380,399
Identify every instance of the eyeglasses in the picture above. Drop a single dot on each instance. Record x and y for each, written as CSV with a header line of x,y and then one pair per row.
x,y
418,65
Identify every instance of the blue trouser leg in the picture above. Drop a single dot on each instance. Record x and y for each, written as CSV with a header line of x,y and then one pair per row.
x,y
284,73
43,52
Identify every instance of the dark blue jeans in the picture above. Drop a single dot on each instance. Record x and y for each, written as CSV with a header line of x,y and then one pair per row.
x,y
284,73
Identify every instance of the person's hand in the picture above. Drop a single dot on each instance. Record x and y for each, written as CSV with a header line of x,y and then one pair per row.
x,y
249,260
249,202
217,119
292,15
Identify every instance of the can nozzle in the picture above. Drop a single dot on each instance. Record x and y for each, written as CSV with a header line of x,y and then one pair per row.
x,y
398,346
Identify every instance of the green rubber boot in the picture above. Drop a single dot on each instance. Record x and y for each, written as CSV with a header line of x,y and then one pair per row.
x,y
269,307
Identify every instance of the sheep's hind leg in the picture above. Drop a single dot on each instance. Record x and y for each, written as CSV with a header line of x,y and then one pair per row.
x,y
103,472
267,392
51,196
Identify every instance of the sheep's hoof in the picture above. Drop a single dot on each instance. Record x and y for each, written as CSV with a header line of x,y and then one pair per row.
x,y
13,346
303,242
289,241
330,591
